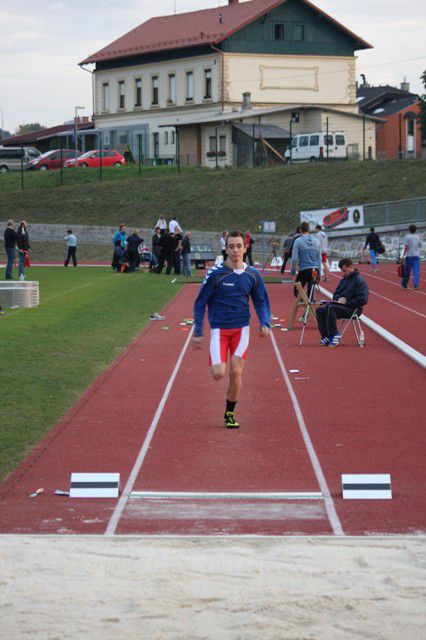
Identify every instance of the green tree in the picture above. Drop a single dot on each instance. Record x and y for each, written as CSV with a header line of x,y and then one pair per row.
x,y
27,128
423,106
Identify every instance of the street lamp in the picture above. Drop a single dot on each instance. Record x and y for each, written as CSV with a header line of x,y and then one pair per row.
x,y
75,133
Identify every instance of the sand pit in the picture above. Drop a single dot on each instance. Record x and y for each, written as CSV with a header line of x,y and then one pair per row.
x,y
59,588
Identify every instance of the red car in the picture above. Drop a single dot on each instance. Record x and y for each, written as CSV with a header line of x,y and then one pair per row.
x,y
93,159
52,159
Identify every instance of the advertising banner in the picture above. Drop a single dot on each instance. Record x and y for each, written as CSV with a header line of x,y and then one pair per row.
x,y
332,219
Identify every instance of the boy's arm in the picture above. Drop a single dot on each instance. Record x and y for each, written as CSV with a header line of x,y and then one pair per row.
x,y
205,293
261,302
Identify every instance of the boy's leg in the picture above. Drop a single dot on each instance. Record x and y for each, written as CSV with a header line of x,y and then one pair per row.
x,y
408,267
373,259
74,256
235,378
416,272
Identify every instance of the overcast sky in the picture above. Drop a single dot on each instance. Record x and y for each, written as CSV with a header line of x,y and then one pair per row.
x,y
42,42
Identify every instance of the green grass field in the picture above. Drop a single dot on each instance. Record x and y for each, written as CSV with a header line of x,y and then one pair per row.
x,y
204,198
50,354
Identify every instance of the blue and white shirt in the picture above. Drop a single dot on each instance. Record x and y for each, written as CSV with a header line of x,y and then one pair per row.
x,y
226,292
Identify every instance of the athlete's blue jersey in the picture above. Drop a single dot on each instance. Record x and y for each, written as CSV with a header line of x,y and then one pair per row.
x,y
227,295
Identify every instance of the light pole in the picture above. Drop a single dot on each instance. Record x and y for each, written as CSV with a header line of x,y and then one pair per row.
x,y
1,137
75,133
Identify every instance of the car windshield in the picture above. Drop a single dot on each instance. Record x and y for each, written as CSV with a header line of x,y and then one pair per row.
x,y
88,154
46,154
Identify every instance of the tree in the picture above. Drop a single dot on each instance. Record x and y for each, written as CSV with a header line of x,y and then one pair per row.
x,y
423,106
4,134
27,128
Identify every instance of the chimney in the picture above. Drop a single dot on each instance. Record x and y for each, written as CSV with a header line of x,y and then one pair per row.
x,y
232,1
364,81
405,86
246,101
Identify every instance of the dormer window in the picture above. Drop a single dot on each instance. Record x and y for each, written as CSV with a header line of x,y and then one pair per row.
x,y
279,31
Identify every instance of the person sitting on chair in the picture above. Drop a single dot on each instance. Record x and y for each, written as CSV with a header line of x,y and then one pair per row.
x,y
351,294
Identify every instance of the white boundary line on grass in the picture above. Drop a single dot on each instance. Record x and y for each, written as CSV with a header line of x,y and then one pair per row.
x,y
214,495
329,504
412,353
119,508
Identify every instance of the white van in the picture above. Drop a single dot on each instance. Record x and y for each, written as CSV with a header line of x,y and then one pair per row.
x,y
310,147
10,157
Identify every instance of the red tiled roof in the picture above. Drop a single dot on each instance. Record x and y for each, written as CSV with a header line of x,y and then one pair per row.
x,y
208,26
40,134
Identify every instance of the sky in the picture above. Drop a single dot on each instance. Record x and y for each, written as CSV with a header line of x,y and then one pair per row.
x,y
43,41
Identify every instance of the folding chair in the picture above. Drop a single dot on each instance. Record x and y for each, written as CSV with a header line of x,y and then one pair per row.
x,y
356,325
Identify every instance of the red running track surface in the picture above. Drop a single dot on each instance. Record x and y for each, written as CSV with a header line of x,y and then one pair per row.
x,y
360,416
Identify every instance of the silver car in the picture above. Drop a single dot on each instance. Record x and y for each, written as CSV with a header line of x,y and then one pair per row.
x,y
11,158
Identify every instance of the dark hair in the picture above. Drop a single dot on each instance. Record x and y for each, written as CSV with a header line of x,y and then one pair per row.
x,y
304,227
157,228
235,234
345,262
372,229
69,230
319,227
412,228
297,229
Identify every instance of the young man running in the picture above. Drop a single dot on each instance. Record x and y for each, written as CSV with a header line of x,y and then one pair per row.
x,y
226,290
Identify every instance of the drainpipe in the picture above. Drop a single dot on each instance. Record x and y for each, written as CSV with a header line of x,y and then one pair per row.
x,y
223,79
92,73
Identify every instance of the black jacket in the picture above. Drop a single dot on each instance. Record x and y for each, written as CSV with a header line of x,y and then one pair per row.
x,y
354,288
133,242
166,244
22,240
10,238
156,245
374,241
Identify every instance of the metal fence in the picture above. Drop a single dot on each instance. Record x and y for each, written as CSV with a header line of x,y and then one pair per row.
x,y
395,212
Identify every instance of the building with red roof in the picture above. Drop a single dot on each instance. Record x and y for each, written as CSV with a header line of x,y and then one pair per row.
x,y
181,73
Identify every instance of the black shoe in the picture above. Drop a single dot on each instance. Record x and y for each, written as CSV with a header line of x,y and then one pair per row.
x,y
230,421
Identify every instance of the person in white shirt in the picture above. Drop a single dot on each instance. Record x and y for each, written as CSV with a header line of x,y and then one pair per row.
x,y
173,224
412,257
322,237
161,223
71,240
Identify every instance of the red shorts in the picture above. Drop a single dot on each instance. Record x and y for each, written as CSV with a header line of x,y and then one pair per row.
x,y
324,257
234,341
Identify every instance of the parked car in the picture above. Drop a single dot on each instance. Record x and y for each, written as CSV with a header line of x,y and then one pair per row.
x,y
93,159
11,158
310,147
52,159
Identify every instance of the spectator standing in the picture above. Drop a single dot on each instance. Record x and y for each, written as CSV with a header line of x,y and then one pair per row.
x,y
177,249
374,244
249,242
186,254
287,247
156,247
71,241
306,252
223,244
23,244
10,246
173,224
133,242
120,243
161,224
166,255
323,240
411,254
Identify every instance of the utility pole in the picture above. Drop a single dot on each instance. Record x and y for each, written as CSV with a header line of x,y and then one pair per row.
x,y
76,109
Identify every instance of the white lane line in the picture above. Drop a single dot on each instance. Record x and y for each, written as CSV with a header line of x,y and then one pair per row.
x,y
370,275
329,504
112,524
412,353
210,495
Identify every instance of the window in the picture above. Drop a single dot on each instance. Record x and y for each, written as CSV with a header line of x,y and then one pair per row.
x,y
121,96
207,84
304,141
279,31
212,143
294,142
123,138
138,92
189,85
156,141
166,137
105,96
172,88
222,144
172,137
113,138
328,140
154,99
340,140
299,32
410,128
314,141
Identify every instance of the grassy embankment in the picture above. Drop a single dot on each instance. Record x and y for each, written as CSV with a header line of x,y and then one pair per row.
x,y
50,354
204,198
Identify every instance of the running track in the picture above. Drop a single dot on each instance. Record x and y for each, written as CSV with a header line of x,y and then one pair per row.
x,y
363,410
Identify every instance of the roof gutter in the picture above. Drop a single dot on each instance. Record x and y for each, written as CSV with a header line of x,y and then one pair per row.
x,y
222,88
92,73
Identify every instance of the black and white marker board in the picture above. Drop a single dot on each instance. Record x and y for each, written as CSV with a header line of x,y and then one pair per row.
x,y
95,485
363,486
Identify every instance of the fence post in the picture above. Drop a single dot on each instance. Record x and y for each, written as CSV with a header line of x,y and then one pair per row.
x,y
22,166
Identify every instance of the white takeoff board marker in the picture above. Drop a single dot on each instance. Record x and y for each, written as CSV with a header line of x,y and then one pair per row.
x,y
363,486
95,485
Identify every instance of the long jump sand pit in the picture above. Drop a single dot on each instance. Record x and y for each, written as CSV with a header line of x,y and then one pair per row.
x,y
55,588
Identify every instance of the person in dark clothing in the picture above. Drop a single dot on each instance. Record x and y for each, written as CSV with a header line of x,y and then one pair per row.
x,y
166,255
249,242
133,242
10,240
374,244
186,254
351,294
23,244
177,250
287,251
156,247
